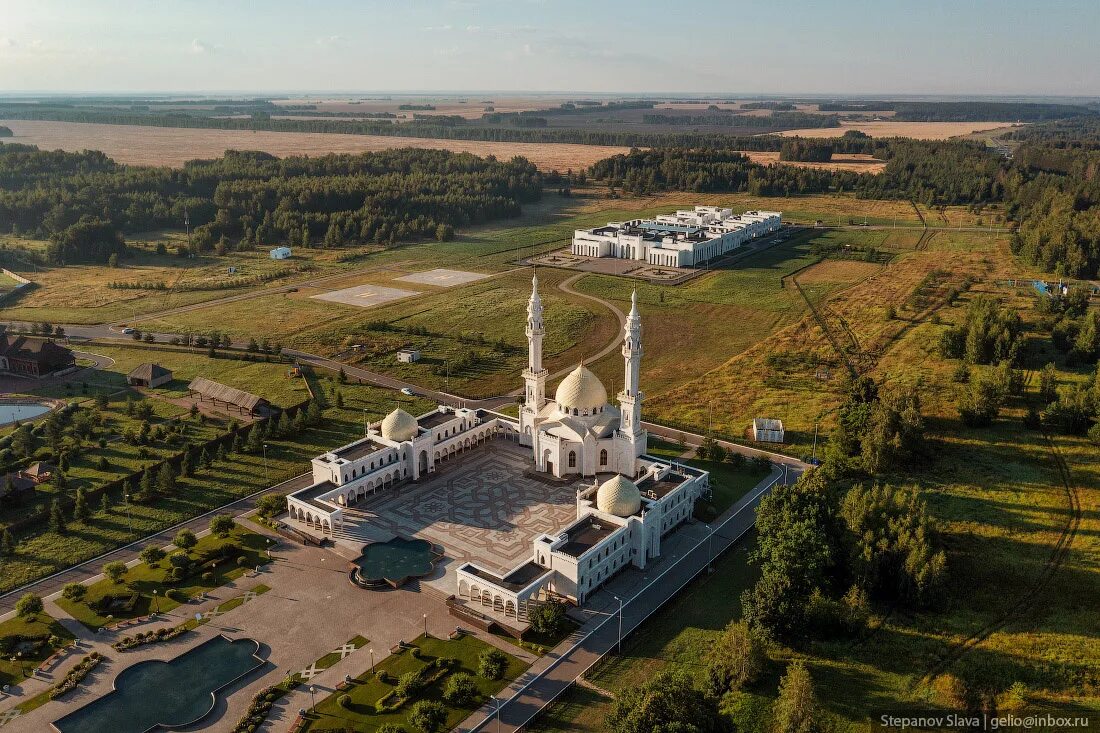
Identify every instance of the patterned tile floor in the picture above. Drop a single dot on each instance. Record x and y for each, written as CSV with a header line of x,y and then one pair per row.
x,y
479,507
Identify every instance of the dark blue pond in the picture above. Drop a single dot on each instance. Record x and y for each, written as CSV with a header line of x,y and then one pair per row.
x,y
169,694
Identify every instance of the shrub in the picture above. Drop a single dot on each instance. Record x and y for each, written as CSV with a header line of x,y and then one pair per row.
x,y
242,560
491,664
460,689
185,540
152,555
221,525
408,685
344,701
548,617
428,716
115,571
74,592
28,606
208,578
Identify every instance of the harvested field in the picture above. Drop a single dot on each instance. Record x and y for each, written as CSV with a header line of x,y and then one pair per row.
x,y
139,145
918,130
837,271
855,162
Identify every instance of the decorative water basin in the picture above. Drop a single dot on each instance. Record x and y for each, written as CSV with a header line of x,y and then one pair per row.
x,y
394,562
12,411
172,694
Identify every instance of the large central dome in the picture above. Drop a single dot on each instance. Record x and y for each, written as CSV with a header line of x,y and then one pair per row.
x,y
619,496
581,390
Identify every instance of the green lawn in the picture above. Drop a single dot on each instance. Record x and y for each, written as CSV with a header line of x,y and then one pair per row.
x,y
15,637
368,688
145,579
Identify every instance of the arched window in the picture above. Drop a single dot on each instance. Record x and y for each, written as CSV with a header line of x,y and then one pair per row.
x,y
572,459
603,457
574,411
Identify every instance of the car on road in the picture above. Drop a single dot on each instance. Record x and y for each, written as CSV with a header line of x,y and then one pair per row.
x,y
407,391
127,330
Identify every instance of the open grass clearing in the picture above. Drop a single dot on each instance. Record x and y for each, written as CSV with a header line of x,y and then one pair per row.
x,y
30,641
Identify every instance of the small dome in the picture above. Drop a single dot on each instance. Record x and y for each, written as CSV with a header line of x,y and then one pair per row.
x,y
399,426
581,389
619,496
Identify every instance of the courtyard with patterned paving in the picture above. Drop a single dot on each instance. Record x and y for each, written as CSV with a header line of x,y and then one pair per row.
x,y
479,506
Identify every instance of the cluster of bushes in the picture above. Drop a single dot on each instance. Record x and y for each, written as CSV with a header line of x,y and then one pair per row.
x,y
76,675
259,709
989,334
166,633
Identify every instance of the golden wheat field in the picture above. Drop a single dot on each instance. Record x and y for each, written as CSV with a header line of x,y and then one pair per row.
x,y
173,146
917,130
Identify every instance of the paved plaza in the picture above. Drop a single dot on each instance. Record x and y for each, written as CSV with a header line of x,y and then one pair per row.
x,y
442,277
365,296
479,506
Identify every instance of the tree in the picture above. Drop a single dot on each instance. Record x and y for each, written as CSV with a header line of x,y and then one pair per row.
x,y
460,689
798,538
221,525
74,592
270,505
186,466
28,606
255,442
204,459
981,403
57,520
236,447
737,659
667,703
115,571
491,664
891,551
547,618
145,487
151,555
7,543
1048,383
80,506
185,540
428,716
795,709
166,478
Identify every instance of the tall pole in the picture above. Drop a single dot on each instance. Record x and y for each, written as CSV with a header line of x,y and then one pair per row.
x,y
813,458
498,713
129,519
619,643
266,478
371,660
364,422
312,698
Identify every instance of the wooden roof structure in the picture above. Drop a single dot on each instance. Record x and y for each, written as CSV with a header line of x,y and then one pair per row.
x,y
149,371
218,392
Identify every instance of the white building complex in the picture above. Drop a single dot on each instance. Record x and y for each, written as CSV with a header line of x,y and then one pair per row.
x,y
632,501
684,239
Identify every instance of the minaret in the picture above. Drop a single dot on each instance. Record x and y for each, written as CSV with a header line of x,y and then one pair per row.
x,y
630,399
534,376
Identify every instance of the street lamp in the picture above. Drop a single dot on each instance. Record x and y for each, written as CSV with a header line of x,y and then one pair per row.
x,y
497,699
425,624
364,422
265,464
371,660
619,644
710,549
312,697
129,521
156,601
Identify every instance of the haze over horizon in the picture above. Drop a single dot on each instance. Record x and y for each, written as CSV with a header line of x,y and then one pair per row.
x,y
548,46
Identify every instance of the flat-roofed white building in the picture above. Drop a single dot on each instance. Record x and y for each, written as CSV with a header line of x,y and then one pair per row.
x,y
685,238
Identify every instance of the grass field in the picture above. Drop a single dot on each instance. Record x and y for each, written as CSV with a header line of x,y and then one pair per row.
x,y
17,632
1002,506
140,145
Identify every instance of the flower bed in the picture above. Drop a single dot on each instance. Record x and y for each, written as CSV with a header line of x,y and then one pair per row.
x,y
165,633
261,705
76,675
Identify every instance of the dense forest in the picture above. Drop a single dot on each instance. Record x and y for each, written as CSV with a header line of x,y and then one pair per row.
x,y
963,111
776,120
82,201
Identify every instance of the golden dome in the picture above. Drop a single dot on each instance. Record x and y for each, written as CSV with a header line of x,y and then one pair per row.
x,y
619,496
399,426
581,389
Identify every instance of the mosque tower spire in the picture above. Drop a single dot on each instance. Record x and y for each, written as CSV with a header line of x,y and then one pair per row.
x,y
534,376
630,399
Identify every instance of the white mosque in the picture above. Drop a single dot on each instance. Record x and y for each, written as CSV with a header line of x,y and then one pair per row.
x,y
633,499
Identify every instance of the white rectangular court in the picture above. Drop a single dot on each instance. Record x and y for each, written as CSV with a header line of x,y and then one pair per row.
x,y
442,277
365,296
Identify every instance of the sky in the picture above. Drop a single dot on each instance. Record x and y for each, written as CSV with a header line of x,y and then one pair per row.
x,y
942,47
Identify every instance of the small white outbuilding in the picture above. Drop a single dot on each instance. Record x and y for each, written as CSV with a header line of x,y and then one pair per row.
x,y
280,253
408,356
767,430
